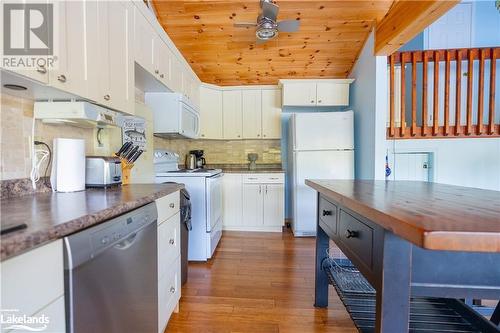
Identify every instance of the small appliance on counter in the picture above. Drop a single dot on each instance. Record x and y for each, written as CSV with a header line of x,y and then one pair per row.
x,y
103,171
68,165
191,161
200,160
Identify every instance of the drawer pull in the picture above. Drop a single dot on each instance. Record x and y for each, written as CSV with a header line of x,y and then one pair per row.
x,y
351,234
172,205
172,290
171,241
327,212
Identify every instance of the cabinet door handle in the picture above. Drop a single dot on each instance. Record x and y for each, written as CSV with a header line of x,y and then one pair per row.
x,y
162,76
239,135
266,189
264,135
62,78
157,71
172,205
319,101
172,290
203,135
260,189
312,101
171,241
41,69
351,234
327,212
107,97
258,135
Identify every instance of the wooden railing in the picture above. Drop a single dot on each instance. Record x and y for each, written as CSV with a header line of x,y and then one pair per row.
x,y
431,111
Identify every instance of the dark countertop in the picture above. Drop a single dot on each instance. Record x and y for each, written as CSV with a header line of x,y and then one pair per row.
x,y
430,215
246,170
50,216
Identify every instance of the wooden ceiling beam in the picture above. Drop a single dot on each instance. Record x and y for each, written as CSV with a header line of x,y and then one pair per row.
x,y
405,20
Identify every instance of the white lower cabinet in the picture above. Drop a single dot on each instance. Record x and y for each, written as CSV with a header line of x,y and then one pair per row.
x,y
169,253
33,285
254,202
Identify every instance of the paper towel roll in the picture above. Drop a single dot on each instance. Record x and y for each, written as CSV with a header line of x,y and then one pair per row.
x,y
68,165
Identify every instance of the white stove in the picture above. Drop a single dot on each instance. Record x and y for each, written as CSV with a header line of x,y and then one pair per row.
x,y
205,190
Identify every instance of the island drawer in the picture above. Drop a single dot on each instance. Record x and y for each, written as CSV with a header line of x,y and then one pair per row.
x,y
357,236
264,178
167,206
328,214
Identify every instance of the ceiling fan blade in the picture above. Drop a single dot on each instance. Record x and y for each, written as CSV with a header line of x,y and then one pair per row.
x,y
270,10
289,25
244,25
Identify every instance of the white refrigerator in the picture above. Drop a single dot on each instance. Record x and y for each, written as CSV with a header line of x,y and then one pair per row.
x,y
321,146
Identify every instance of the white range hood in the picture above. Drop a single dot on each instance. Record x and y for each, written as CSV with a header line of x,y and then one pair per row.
x,y
80,114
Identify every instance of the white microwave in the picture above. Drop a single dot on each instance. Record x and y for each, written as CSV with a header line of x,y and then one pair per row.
x,y
174,115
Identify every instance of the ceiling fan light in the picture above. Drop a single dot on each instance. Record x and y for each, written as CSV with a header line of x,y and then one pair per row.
x,y
266,31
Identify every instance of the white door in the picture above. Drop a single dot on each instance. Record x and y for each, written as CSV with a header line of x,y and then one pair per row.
x,y
411,166
176,75
271,113
452,30
323,130
330,93
253,208
251,101
120,64
232,194
143,41
274,211
210,113
70,73
299,94
316,165
162,56
231,111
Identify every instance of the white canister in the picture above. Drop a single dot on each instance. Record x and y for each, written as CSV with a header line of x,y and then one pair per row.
x,y
68,165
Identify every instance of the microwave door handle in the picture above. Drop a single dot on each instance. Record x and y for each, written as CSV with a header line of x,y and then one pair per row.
x,y
198,129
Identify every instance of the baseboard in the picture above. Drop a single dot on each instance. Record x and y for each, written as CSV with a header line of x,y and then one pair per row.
x,y
253,229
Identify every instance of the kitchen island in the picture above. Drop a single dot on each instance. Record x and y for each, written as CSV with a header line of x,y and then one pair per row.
x,y
411,239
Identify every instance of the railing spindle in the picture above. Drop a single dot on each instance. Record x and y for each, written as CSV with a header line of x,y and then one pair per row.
x,y
480,94
493,69
391,96
424,93
403,96
413,94
447,94
435,109
470,76
458,95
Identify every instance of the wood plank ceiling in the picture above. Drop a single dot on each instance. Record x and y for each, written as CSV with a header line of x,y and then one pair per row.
x,y
327,44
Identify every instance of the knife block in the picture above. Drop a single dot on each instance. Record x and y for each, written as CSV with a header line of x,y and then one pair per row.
x,y
126,169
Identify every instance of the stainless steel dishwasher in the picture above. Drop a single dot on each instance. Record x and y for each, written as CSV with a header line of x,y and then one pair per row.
x,y
111,278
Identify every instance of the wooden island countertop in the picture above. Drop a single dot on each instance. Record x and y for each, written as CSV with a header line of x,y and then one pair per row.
x,y
430,215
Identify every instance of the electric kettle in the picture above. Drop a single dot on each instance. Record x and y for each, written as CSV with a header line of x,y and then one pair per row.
x,y
191,161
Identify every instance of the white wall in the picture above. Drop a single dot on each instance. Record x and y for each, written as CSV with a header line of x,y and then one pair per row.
x,y
368,99
464,162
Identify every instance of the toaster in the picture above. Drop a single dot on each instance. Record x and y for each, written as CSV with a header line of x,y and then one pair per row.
x,y
102,171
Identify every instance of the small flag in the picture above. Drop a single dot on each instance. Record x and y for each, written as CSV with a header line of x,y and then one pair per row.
x,y
387,167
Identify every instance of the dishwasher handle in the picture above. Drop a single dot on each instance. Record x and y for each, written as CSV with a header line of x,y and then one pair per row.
x,y
127,242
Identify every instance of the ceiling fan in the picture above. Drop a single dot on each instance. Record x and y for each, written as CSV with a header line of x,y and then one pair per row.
x,y
267,27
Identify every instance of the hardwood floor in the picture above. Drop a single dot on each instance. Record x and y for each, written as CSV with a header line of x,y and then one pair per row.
x,y
257,282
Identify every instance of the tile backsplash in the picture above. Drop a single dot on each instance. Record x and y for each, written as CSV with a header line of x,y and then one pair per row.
x,y
16,119
225,151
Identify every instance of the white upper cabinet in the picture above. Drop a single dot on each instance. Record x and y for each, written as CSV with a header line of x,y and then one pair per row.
x,y
252,113
144,36
70,72
162,58
210,113
334,92
271,113
121,70
232,117
331,93
299,94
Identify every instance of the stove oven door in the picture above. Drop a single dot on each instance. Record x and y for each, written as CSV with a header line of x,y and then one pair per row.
x,y
214,201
